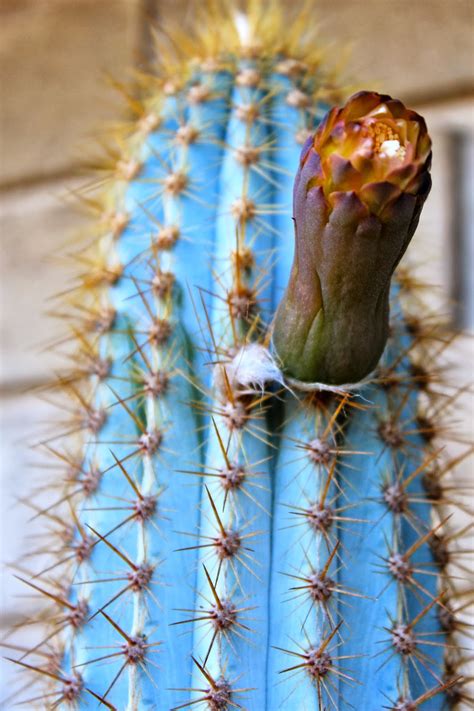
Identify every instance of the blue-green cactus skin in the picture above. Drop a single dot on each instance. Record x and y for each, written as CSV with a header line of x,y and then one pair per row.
x,y
174,617
363,569
384,675
243,579
152,612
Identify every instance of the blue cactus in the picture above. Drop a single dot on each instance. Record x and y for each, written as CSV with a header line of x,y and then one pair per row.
x,y
235,535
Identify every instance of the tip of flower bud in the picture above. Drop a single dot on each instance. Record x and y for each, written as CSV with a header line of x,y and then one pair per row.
x,y
373,138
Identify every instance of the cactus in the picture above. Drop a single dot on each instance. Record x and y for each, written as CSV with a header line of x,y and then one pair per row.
x,y
224,536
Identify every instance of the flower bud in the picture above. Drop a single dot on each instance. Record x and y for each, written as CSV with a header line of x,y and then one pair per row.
x,y
361,184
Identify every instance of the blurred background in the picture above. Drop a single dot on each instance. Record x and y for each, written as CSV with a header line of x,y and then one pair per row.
x,y
54,58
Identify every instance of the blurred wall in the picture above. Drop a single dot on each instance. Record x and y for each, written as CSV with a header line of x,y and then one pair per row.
x,y
54,54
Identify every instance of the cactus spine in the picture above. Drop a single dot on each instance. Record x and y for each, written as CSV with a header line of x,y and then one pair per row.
x,y
225,545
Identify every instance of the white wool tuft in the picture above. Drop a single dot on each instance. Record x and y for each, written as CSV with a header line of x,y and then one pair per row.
x,y
252,367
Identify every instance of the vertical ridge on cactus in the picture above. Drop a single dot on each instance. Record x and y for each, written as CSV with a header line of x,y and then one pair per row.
x,y
237,519
230,543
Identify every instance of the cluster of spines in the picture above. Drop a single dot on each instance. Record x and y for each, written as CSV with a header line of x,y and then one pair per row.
x,y
134,374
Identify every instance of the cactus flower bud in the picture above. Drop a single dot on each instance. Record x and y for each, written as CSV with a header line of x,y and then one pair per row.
x,y
361,184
